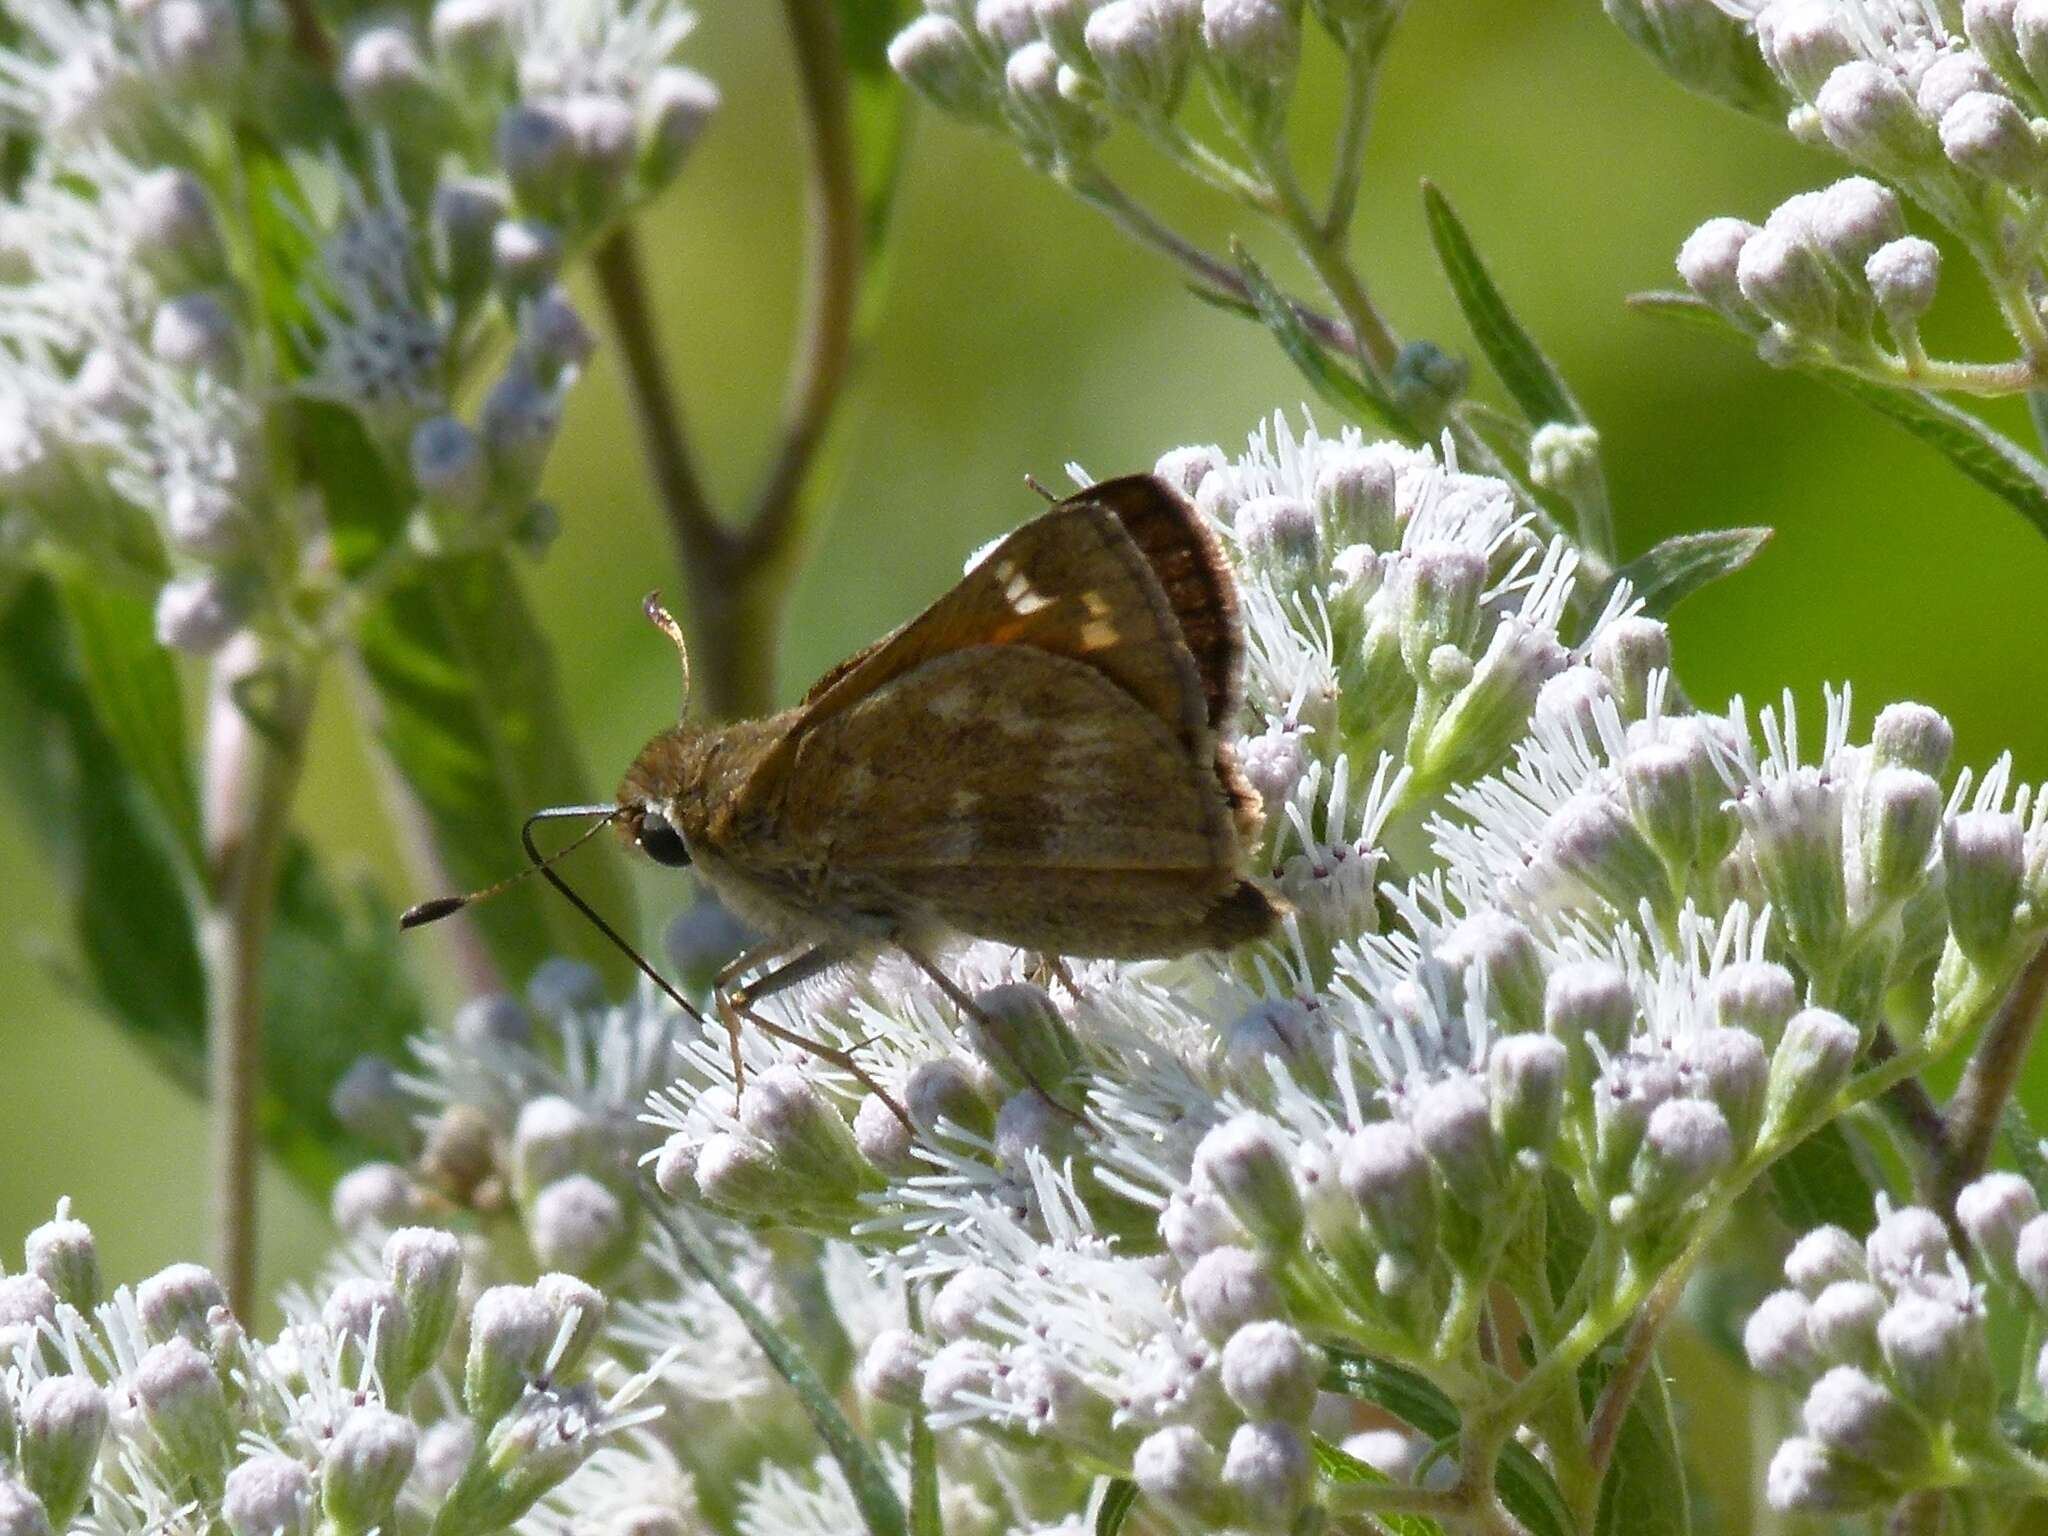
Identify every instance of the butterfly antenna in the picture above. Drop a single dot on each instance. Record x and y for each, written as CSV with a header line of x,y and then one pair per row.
x,y
544,866
447,906
1038,485
665,621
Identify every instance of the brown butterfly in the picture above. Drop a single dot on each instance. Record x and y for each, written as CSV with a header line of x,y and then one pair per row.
x,y
1037,759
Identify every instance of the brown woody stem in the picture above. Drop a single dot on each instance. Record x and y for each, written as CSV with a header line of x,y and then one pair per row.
x,y
1980,1099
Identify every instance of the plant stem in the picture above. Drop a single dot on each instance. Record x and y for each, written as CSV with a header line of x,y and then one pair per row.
x,y
251,772
1637,1353
1987,1085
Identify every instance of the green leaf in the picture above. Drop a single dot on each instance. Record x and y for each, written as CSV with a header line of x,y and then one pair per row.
x,y
1671,304
1117,1502
879,114
1531,379
1341,1468
1820,1182
133,685
880,1509
469,708
1666,575
1526,1486
1356,396
102,837
1644,1492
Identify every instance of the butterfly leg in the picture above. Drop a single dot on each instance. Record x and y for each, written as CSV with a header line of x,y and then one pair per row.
x,y
752,958
962,999
1047,968
735,1005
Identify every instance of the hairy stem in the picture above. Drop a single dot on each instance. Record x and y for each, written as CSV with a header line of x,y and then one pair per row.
x,y
255,739
1987,1085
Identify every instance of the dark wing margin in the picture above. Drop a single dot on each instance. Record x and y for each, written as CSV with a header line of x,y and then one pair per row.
x,y
1188,562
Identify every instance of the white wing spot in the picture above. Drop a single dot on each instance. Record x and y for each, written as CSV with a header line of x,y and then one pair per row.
x,y
1023,597
1098,635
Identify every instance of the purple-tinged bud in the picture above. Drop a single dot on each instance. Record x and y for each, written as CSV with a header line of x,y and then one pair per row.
x,y
1912,736
1787,279
1624,1098
1983,853
1627,652
466,215
553,335
962,1302
1936,1352
448,464
892,1370
1385,1170
520,419
677,106
386,79
943,1092
176,1301
373,1105
1186,468
445,1450
1823,1257
1843,1322
1990,27
1271,1372
182,1401
1281,540
1804,44
552,1139
1675,796
1436,601
1526,1074
1903,276
1029,1122
373,1198
1908,1243
1812,1062
269,1495
1869,116
1178,1469
1453,1121
64,1256
2030,1259
425,1268
1244,1162
1709,261
604,136
1141,51
1569,703
1806,1477
740,1174
1849,1411
1993,1211
1950,78
526,259
1777,1341
1225,1289
1019,1033
884,1140
1733,1072
1354,496
63,1420
939,61
578,1225
1988,136
675,1168
1257,42
966,1367
1269,1468
511,1330
1593,842
537,152
1495,947
1588,1003
21,1512
363,1468
1755,995
1854,217
366,1317
1686,1146
578,1309
1033,78
1901,821
1795,831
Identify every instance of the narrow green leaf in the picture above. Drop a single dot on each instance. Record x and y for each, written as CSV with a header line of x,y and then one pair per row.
x,y
1531,379
879,113
1118,1500
101,836
1644,1492
1990,458
1357,397
1666,575
880,1509
469,709
1526,1486
134,689
1340,1467
1672,304
1820,1182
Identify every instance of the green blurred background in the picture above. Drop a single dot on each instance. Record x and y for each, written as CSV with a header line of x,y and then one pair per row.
x,y
1020,332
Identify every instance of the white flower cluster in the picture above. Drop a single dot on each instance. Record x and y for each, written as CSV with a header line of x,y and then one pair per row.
x,y
1888,1339
185,263
403,1397
1947,104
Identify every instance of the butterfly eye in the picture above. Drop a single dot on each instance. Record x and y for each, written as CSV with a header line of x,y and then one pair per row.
x,y
661,842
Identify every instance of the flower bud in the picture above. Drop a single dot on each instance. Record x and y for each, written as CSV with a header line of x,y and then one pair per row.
x,y
1593,843
677,106
367,1318
1569,703
578,1308
537,153
364,1466
1686,1146
675,1169
1843,1323
511,1330
1354,497
1986,135
1902,277
386,79
21,1512
374,1198
1588,1002
1822,1257
268,1495
64,1256
1225,1289
554,337
1490,710
2030,1259
1912,736
1385,1170
1020,1035
1809,1478
1426,382
884,1140
1526,1075
1674,795
1786,278
740,1174
425,1268
175,1301
1795,831
1281,540
1141,51
958,1309
1062,125
520,420
1854,217
466,215
1811,1063
1777,1341
552,1139
1626,653
1936,1353
1030,1124
1257,45
1710,260
472,35
805,1132
448,465
1984,856
1271,1372
1177,1469
182,1401
1909,1243
1453,1121
374,1106
1989,25
63,1420
1244,1162
1186,468
1901,819
939,61
892,1370
1869,116
578,1225
1993,1211
604,140
1064,26
1705,48
526,257
1757,996
1269,1468
944,1091
1436,601
1848,1411
545,1437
